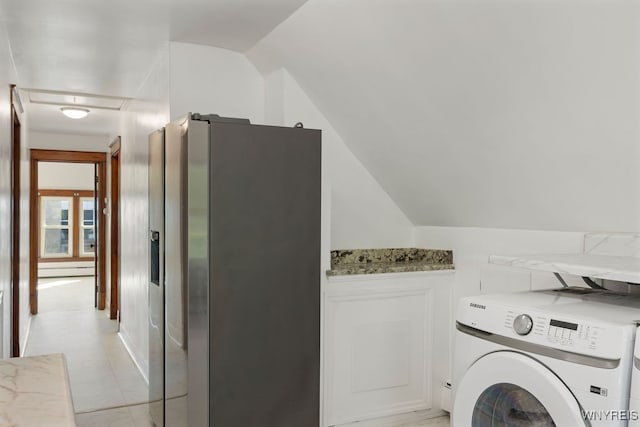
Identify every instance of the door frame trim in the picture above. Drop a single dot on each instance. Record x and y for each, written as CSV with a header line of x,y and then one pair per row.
x,y
97,158
115,158
16,156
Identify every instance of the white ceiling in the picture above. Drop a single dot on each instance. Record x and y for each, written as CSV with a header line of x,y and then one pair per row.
x,y
47,118
108,47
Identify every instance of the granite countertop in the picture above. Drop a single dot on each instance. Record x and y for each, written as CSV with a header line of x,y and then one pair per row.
x,y
35,392
390,260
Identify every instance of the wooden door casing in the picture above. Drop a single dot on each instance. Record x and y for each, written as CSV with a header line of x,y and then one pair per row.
x,y
114,305
97,158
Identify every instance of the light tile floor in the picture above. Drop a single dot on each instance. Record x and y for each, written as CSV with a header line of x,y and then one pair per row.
x,y
434,422
127,416
101,372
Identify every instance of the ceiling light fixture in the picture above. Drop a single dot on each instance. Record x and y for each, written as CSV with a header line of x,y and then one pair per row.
x,y
74,112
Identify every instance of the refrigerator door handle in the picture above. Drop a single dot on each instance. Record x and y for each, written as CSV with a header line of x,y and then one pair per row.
x,y
155,257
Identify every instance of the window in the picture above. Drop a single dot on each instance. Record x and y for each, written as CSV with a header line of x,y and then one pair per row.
x,y
87,227
67,225
56,227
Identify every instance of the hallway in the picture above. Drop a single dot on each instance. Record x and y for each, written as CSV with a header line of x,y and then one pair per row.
x,y
101,372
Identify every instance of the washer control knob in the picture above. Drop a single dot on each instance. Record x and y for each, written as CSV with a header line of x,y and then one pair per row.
x,y
522,324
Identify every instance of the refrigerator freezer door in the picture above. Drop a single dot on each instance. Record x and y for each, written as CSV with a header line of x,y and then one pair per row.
x,y
156,276
264,276
242,274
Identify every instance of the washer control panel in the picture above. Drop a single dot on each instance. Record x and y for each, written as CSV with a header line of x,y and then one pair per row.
x,y
589,328
562,332
552,330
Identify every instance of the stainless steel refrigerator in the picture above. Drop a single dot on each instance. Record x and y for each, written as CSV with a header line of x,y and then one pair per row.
x,y
234,291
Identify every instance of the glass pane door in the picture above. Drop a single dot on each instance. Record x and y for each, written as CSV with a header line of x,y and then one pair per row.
x,y
87,227
56,225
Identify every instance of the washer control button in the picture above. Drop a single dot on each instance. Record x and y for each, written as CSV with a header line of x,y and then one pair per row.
x,y
522,324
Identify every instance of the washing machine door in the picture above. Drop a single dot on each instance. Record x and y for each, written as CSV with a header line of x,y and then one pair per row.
x,y
506,388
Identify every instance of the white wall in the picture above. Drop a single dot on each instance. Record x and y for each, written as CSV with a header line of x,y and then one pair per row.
x,y
68,141
7,76
65,176
148,112
207,80
25,180
507,114
362,214
7,71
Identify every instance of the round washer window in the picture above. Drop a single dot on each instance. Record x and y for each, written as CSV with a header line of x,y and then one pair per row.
x,y
507,404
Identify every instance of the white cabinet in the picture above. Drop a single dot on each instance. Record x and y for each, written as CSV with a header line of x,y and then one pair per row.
x,y
385,345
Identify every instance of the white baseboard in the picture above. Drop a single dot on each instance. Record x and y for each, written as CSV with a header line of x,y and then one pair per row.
x,y
66,272
398,420
135,362
23,345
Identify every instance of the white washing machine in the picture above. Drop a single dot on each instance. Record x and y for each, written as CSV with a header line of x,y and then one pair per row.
x,y
544,358
634,398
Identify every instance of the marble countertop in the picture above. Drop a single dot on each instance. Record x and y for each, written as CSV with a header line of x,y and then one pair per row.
x,y
390,260
619,268
35,392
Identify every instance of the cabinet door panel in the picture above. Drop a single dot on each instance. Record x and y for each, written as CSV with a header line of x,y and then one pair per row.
x,y
381,355
379,360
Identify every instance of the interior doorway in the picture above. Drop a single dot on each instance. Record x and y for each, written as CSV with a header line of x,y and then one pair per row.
x,y
77,232
16,150
66,217
114,295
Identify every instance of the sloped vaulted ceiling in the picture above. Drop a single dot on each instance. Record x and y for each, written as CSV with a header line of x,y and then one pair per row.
x,y
492,113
